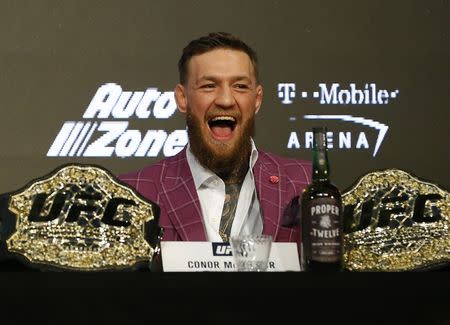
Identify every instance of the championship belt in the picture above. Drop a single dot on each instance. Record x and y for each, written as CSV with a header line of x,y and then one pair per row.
x,y
80,218
395,222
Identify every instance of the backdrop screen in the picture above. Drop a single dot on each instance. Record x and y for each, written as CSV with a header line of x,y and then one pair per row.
x,y
92,82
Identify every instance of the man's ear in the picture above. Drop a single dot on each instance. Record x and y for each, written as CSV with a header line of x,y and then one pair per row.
x,y
180,98
259,97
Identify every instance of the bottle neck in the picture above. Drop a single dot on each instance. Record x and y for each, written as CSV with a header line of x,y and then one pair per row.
x,y
321,168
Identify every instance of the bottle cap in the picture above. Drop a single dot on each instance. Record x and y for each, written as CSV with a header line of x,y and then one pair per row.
x,y
320,137
319,129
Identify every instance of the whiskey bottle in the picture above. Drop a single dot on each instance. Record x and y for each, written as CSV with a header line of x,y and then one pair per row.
x,y
321,218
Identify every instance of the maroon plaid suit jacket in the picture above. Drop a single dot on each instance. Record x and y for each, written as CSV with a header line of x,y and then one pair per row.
x,y
169,183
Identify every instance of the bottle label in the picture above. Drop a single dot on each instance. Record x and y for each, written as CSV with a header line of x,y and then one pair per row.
x,y
325,230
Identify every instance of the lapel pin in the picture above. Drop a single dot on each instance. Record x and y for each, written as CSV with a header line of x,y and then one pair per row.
x,y
274,179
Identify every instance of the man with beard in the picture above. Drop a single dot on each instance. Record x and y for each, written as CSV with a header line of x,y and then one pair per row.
x,y
220,185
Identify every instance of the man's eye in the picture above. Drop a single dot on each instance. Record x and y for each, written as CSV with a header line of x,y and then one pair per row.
x,y
241,86
208,86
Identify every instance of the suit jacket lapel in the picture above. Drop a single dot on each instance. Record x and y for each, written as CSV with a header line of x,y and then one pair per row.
x,y
184,209
270,184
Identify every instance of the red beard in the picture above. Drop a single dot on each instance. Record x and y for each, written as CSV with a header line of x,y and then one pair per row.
x,y
230,165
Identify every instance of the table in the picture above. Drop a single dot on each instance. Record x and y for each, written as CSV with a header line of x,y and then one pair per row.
x,y
216,297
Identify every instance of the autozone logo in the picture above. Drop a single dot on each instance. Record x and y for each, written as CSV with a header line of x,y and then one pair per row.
x,y
95,137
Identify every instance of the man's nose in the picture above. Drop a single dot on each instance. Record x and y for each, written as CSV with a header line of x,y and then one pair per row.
x,y
225,97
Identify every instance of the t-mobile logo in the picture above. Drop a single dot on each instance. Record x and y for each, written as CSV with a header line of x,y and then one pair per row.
x,y
286,91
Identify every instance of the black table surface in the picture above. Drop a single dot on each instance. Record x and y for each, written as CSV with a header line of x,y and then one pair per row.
x,y
224,297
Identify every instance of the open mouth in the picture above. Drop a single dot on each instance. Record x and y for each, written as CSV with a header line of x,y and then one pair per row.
x,y
222,127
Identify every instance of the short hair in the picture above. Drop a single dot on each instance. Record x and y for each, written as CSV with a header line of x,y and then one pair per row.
x,y
211,42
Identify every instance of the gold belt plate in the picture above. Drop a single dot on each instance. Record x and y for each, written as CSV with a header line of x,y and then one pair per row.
x,y
80,217
395,222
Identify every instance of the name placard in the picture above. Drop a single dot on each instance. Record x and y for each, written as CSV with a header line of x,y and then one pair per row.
x,y
179,256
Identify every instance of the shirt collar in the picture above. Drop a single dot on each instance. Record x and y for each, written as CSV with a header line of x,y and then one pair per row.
x,y
202,174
